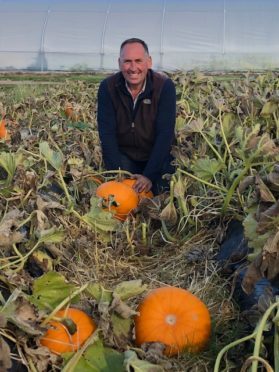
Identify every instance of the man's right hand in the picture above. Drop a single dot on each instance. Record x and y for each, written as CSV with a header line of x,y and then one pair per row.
x,y
142,183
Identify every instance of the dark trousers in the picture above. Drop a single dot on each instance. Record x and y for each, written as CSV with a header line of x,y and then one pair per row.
x,y
159,185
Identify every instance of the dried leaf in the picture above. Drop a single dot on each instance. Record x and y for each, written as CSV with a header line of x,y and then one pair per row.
x,y
270,265
272,179
268,146
132,362
169,213
272,245
265,194
268,219
42,205
8,236
265,300
5,356
180,187
195,126
41,357
252,275
42,221
21,313
121,308
245,183
3,321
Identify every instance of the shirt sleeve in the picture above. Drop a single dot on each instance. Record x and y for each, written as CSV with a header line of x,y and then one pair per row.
x,y
107,128
164,131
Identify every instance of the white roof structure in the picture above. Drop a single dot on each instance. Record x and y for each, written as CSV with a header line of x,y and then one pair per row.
x,y
85,35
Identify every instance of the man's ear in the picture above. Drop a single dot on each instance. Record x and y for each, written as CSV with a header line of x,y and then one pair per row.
x,y
119,63
149,62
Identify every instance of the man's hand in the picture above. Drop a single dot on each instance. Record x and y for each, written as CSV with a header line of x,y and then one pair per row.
x,y
142,183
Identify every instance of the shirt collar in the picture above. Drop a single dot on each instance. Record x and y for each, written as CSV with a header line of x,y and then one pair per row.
x,y
141,91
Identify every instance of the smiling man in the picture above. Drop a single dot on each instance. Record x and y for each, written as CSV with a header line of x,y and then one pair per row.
x,y
136,118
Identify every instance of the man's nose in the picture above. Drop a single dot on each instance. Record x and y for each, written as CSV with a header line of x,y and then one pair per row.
x,y
133,66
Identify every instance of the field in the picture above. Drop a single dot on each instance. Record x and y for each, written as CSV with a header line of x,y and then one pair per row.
x,y
60,247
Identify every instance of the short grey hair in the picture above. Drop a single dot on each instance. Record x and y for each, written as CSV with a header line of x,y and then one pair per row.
x,y
132,41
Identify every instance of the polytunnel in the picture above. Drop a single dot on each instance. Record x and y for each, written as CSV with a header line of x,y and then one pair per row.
x,y
71,35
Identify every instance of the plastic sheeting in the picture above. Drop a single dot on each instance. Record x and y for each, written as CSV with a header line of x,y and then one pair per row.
x,y
69,35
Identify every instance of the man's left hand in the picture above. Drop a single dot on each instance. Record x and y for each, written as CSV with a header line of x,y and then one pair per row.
x,y
142,183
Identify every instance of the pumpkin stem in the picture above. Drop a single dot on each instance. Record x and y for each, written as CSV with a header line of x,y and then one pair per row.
x,y
70,325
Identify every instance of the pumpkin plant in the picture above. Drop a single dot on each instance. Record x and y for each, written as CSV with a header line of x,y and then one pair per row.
x,y
68,333
143,194
118,197
174,317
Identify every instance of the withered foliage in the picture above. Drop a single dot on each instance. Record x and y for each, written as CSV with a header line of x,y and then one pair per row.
x,y
226,158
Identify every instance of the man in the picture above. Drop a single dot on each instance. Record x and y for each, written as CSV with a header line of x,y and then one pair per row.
x,y
136,118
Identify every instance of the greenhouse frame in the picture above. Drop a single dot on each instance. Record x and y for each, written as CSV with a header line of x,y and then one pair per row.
x,y
85,35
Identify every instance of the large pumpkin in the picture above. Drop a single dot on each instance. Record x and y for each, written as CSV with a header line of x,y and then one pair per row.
x,y
59,338
143,194
174,317
118,197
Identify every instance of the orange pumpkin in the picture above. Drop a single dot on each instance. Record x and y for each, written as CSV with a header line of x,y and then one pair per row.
x,y
3,129
59,339
174,317
69,111
143,194
118,197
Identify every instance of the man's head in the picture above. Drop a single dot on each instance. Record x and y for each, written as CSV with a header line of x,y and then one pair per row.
x,y
134,62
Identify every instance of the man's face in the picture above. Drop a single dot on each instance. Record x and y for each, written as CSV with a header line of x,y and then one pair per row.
x,y
134,63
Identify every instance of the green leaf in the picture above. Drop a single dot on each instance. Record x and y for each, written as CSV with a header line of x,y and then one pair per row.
x,y
132,362
98,358
100,219
128,289
50,290
239,133
180,123
99,293
195,126
52,235
255,240
206,168
8,162
79,125
269,108
228,121
121,327
55,158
